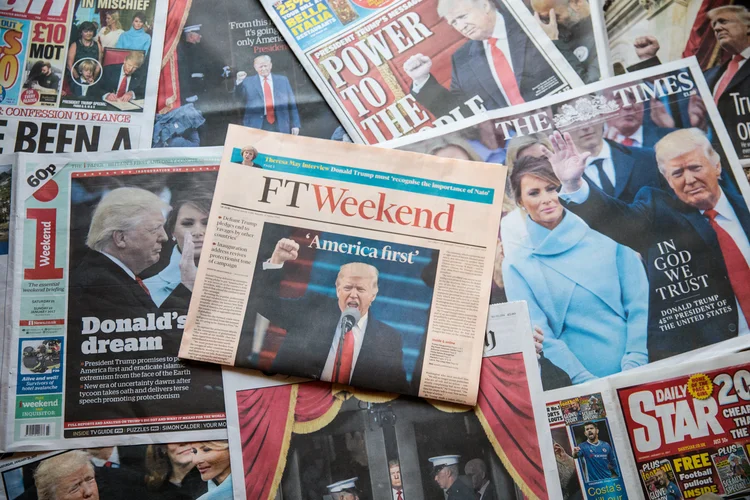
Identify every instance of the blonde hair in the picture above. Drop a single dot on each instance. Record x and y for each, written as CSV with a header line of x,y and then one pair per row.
x,y
683,141
135,57
216,445
52,470
357,268
86,64
121,209
517,144
116,18
738,10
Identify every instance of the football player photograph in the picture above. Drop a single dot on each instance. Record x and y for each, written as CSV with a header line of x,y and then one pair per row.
x,y
662,481
498,62
585,292
332,339
699,223
597,454
268,99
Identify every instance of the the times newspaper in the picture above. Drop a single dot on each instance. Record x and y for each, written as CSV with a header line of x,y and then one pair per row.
x,y
103,258
391,68
640,262
642,34
292,438
184,470
79,76
372,266
216,57
679,431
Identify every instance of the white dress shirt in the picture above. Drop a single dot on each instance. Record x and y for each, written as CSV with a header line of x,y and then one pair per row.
x,y
114,457
359,335
119,80
745,56
609,166
394,493
727,220
263,89
483,489
636,137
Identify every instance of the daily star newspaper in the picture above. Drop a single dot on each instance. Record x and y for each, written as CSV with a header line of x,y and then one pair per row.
x,y
388,68
79,75
645,33
347,263
216,57
637,264
103,258
291,438
152,471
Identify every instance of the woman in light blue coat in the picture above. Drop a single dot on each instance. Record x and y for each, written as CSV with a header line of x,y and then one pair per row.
x,y
585,292
211,458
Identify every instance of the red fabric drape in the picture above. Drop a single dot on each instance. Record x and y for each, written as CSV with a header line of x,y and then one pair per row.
x,y
313,400
168,97
505,403
702,41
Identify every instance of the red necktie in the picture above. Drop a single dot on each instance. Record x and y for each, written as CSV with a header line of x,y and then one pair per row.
x,y
143,285
398,495
737,268
345,357
268,95
627,141
732,69
123,86
108,464
505,74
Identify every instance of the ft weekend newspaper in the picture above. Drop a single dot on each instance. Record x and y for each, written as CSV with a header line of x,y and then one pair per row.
x,y
313,243
104,254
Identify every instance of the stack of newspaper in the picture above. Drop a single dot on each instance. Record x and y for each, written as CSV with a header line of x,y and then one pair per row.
x,y
528,280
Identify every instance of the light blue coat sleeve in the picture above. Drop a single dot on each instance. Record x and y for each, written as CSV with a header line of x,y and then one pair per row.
x,y
555,349
633,284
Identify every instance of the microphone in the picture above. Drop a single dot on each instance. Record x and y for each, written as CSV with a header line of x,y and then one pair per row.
x,y
349,318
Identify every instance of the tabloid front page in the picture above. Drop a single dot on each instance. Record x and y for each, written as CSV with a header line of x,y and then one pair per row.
x,y
391,68
104,253
217,58
371,266
153,471
79,75
291,438
642,34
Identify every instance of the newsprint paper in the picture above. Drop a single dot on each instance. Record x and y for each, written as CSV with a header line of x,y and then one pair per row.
x,y
347,263
290,438
79,75
640,261
151,472
680,431
102,273
391,68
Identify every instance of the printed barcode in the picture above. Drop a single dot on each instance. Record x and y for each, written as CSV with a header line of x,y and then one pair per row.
x,y
37,430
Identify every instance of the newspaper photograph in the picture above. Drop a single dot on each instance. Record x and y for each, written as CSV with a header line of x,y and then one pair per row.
x,y
626,253
647,33
78,75
325,263
389,69
224,62
295,439
184,471
103,262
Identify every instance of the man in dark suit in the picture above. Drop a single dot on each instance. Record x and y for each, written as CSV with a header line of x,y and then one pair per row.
x,y
123,82
694,240
630,127
618,170
476,470
268,99
518,69
368,354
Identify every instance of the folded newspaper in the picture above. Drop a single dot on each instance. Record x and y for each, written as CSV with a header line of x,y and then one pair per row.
x,y
155,471
644,34
388,68
79,75
291,438
626,253
347,263
103,260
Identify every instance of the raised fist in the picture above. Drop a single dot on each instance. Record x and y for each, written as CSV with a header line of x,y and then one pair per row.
x,y
285,250
646,47
418,68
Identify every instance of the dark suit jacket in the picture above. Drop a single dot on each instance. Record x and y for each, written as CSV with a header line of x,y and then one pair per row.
x,y
739,84
652,133
655,217
472,75
250,92
311,325
634,169
110,81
